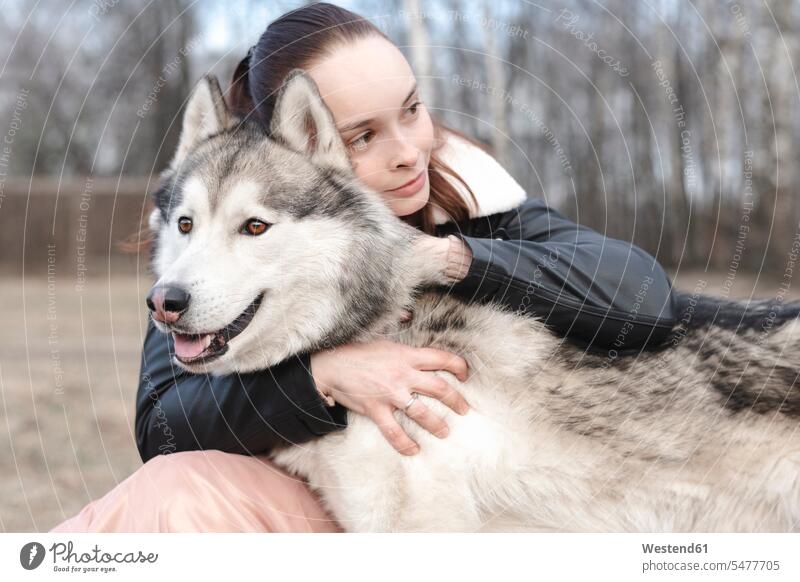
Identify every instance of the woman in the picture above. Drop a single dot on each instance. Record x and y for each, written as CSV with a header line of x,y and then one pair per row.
x,y
494,246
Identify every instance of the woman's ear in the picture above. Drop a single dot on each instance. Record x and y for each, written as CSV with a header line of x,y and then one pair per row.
x,y
206,114
303,122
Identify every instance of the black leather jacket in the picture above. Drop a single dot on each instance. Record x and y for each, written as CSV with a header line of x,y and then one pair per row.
x,y
599,292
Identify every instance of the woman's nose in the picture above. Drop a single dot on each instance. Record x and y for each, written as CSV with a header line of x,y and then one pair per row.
x,y
404,153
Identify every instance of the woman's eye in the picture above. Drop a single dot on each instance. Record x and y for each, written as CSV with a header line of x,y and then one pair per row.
x,y
184,224
360,143
254,227
414,107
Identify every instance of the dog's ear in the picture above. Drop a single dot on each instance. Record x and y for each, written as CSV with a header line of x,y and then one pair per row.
x,y
206,114
154,220
160,198
303,122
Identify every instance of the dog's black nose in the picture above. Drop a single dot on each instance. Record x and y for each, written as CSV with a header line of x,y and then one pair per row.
x,y
167,303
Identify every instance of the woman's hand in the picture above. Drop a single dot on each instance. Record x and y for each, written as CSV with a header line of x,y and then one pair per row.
x,y
376,378
443,260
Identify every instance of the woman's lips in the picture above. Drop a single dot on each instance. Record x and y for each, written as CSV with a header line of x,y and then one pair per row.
x,y
412,187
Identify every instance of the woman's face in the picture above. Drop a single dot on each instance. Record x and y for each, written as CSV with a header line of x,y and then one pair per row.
x,y
372,93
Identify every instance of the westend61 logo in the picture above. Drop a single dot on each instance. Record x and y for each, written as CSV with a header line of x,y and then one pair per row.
x,y
66,559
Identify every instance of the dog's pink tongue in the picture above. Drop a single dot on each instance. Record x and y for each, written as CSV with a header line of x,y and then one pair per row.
x,y
190,346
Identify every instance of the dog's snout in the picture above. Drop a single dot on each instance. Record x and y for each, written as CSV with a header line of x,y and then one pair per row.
x,y
167,303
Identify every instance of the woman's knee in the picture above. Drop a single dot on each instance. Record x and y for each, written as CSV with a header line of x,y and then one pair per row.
x,y
205,491
215,491
214,471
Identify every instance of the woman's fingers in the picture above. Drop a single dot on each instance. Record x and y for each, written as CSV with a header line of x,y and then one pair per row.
x,y
424,417
393,432
382,381
435,359
437,387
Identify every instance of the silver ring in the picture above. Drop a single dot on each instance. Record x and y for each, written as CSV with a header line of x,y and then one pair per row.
x,y
411,400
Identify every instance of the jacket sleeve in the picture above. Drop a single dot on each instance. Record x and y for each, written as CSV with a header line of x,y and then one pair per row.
x,y
239,413
600,292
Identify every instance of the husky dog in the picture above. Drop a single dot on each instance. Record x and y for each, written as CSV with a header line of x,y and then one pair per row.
x,y
268,246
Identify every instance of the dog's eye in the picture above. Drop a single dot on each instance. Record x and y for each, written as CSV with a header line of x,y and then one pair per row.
x,y
184,224
254,227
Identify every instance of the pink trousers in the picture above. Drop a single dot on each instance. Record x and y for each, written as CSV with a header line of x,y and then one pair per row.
x,y
205,491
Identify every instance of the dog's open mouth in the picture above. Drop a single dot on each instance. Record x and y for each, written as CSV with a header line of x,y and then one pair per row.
x,y
203,347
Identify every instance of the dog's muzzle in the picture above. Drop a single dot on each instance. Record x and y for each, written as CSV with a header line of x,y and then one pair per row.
x,y
167,305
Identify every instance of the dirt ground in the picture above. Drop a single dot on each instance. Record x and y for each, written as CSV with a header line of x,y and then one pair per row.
x,y
69,364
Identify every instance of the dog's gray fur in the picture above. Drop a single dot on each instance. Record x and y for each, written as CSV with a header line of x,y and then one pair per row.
x,y
701,435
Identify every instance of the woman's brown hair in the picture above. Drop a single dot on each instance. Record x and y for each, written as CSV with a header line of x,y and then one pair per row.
x,y
296,40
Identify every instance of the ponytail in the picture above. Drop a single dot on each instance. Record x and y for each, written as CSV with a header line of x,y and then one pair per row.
x,y
239,97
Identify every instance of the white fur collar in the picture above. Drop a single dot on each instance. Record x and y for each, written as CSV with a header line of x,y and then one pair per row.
x,y
494,188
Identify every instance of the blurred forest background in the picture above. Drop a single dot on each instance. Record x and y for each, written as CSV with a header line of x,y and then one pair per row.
x,y
673,124
663,122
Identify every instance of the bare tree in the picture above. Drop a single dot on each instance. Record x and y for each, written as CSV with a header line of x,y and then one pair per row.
x,y
420,49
